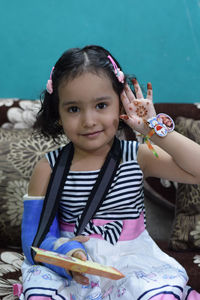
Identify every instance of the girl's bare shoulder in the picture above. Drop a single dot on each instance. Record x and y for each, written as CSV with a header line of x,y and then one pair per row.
x,y
40,178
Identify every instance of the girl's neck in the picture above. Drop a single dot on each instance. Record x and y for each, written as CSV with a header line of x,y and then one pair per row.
x,y
89,161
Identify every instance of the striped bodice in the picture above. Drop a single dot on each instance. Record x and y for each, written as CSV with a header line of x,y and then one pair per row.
x,y
125,196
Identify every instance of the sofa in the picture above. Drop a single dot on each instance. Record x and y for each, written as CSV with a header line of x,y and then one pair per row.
x,y
172,209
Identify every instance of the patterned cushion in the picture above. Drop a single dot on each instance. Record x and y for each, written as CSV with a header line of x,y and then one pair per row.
x,y
18,114
188,198
20,150
10,273
164,191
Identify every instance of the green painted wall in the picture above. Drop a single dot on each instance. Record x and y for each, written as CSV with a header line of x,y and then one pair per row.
x,y
159,41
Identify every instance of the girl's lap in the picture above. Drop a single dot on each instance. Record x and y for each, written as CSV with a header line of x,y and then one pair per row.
x,y
148,272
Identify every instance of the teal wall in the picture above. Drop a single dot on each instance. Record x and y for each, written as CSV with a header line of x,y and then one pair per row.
x,y
159,41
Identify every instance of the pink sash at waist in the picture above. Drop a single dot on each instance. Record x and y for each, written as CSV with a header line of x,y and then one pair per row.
x,y
131,228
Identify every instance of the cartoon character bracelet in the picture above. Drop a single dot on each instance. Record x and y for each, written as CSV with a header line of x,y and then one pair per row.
x,y
161,125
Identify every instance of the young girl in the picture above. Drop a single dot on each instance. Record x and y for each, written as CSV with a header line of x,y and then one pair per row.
x,y
87,97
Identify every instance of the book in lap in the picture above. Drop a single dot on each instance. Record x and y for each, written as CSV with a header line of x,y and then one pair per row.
x,y
75,264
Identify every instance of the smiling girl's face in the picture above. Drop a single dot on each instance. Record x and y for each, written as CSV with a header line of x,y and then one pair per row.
x,y
89,111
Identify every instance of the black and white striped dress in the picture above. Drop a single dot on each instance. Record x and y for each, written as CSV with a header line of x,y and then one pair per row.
x,y
124,200
149,272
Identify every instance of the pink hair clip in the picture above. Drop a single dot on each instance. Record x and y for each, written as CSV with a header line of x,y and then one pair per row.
x,y
49,86
119,74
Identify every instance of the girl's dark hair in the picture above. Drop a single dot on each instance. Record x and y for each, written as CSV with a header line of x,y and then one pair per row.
x,y
71,64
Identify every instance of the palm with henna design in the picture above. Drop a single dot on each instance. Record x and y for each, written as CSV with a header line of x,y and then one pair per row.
x,y
137,108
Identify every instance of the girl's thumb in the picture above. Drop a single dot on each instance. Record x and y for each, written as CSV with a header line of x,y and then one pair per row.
x,y
124,117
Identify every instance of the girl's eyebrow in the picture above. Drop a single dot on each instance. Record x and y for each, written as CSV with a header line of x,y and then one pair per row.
x,y
74,102
102,98
71,102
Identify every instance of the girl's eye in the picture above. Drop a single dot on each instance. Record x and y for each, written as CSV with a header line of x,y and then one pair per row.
x,y
101,105
73,109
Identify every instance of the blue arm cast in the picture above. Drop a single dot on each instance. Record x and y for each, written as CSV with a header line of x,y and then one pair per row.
x,y
30,222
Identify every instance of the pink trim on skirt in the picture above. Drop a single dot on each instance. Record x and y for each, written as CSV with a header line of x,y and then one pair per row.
x,y
40,298
131,228
193,295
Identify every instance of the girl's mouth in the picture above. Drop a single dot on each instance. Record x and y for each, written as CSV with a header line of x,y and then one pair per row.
x,y
92,134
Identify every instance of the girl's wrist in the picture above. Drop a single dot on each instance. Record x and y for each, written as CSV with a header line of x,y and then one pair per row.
x,y
162,124
159,127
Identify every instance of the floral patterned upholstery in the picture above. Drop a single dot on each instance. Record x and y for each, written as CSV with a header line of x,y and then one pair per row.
x,y
10,273
187,215
20,150
18,114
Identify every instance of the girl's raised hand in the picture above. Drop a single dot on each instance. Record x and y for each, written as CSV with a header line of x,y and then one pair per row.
x,y
138,110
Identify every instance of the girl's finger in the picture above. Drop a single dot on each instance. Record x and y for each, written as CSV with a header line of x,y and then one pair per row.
x,y
125,101
124,117
81,238
79,278
149,91
80,255
138,90
129,93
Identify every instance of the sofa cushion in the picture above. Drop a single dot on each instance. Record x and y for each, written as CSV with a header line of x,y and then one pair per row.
x,y
187,212
163,191
18,113
10,272
20,150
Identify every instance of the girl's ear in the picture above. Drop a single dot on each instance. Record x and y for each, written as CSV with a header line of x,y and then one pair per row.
x,y
60,122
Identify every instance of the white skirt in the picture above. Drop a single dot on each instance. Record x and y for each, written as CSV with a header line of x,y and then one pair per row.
x,y
149,274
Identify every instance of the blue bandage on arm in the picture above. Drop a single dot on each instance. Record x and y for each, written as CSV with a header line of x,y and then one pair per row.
x,y
65,249
70,246
30,222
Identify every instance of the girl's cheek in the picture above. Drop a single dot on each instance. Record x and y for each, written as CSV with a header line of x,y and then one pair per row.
x,y
116,123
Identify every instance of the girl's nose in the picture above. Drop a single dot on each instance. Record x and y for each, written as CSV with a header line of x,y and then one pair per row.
x,y
88,119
